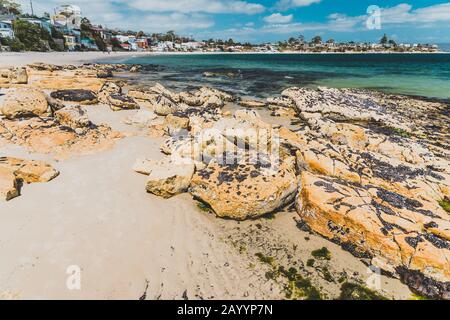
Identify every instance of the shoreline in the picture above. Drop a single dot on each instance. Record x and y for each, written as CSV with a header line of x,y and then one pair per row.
x,y
20,59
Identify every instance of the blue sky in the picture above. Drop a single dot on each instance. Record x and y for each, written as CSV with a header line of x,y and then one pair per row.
x,y
269,20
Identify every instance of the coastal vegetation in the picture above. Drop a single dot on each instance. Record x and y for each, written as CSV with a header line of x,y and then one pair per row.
x,y
353,291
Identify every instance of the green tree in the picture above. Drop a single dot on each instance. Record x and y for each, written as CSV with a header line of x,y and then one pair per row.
x,y
13,43
317,40
29,34
88,31
392,42
384,39
292,41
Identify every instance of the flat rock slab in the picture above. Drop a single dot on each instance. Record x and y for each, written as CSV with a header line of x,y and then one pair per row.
x,y
398,234
246,190
75,95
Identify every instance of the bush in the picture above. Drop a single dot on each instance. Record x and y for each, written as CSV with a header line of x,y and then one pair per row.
x,y
14,44
29,35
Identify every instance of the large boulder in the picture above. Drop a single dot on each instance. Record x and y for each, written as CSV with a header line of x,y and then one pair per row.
x,y
175,124
80,96
164,106
165,178
108,89
159,89
401,235
14,171
119,102
9,185
25,103
74,117
142,95
104,73
243,191
30,171
14,76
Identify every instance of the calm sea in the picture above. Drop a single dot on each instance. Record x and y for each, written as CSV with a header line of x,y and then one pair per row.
x,y
268,74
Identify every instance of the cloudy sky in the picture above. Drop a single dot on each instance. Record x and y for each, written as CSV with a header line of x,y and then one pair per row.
x,y
269,20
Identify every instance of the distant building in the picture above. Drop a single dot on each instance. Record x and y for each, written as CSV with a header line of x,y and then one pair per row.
x,y
6,30
71,42
88,43
142,43
126,46
68,16
192,45
104,33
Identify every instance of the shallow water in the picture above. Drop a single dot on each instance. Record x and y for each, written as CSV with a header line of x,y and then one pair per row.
x,y
268,74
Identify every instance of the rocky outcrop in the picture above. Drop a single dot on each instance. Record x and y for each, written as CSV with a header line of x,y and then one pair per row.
x,y
119,102
50,137
74,117
393,231
25,102
80,96
165,178
14,172
104,74
174,124
164,106
13,76
342,105
251,103
9,185
373,174
244,191
142,118
108,89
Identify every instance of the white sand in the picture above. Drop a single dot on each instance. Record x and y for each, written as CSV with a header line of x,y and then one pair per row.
x,y
18,59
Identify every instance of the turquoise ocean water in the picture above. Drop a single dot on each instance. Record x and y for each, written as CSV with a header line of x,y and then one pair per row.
x,y
268,74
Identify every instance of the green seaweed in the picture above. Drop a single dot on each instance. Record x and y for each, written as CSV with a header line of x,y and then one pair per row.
x,y
310,262
353,291
327,275
204,207
299,287
265,259
401,132
323,254
418,297
445,204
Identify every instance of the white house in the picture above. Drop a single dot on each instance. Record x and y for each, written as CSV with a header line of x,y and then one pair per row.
x,y
6,30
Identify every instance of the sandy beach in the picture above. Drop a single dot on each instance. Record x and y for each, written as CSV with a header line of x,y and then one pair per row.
x,y
20,59
130,244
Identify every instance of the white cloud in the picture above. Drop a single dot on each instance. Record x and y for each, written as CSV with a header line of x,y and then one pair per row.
x,y
106,13
205,6
289,4
278,18
403,13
